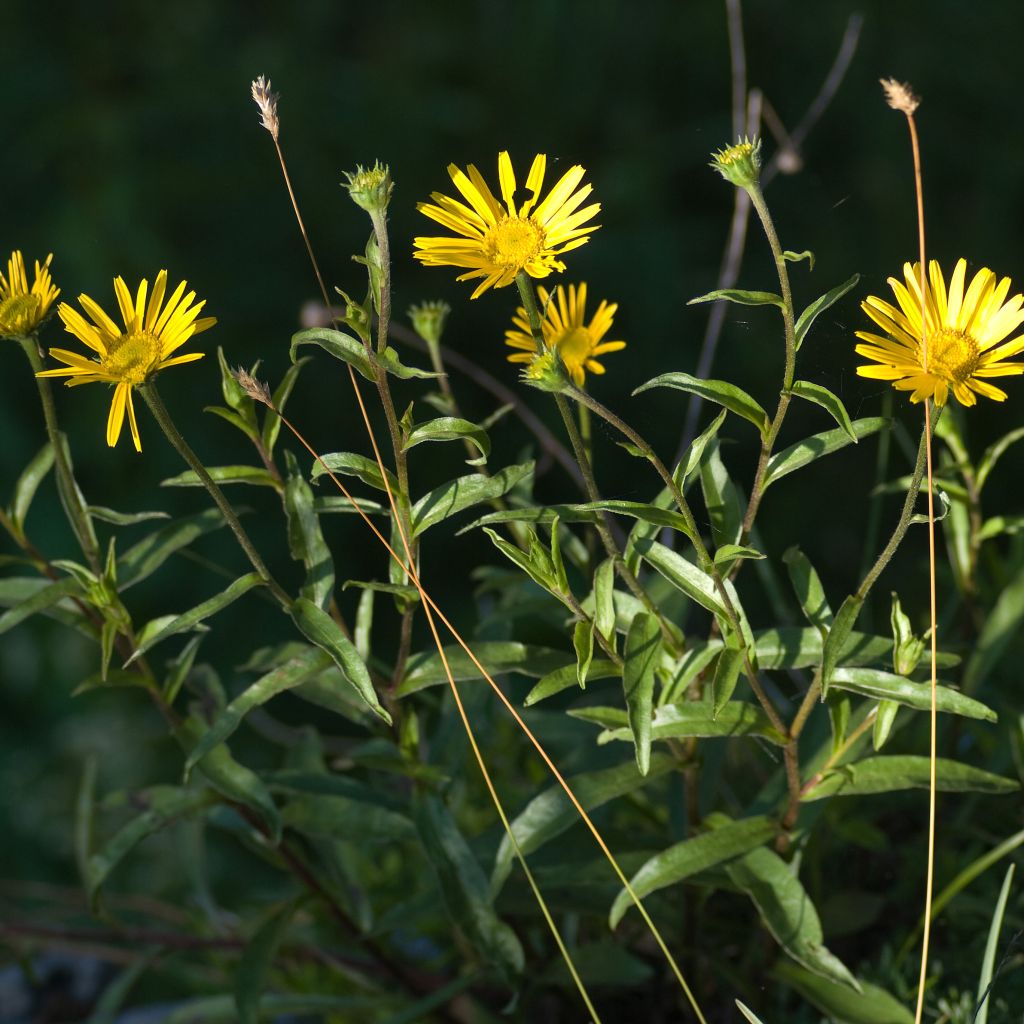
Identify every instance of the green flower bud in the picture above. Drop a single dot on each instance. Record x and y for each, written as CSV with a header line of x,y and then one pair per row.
x,y
739,163
370,188
428,320
907,648
546,372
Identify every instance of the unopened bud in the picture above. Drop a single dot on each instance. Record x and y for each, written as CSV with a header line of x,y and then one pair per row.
x,y
739,163
371,187
428,320
546,372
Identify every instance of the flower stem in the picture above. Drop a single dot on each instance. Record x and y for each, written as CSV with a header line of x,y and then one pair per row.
x,y
70,495
162,416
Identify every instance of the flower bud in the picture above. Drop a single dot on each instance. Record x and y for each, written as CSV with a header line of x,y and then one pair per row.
x,y
370,188
428,320
546,372
739,163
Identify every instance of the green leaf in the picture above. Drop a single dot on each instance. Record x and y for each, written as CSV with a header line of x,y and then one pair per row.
x,y
107,1009
795,257
787,912
991,947
222,1009
681,573
43,598
819,305
71,498
336,807
838,636
691,856
426,669
721,498
320,629
695,453
809,591
690,718
349,350
451,428
463,493
85,813
28,483
729,553
817,445
994,453
869,1005
887,774
234,394
721,391
583,645
727,672
996,526
464,888
149,554
230,778
568,675
350,464
885,719
108,515
160,806
271,420
739,295
258,958
1001,626
292,673
871,682
339,503
748,1013
828,401
922,517
305,538
149,637
255,475
604,600
663,518
641,657
551,812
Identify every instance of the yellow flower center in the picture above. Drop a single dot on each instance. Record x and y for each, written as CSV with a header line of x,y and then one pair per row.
x,y
734,154
19,314
575,346
513,242
133,357
952,355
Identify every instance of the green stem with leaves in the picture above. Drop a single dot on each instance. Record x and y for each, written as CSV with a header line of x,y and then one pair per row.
x,y
163,417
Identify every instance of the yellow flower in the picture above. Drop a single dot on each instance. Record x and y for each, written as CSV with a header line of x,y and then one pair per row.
x,y
23,309
498,241
565,329
129,357
964,332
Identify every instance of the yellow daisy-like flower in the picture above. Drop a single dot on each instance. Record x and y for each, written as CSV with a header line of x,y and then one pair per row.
x,y
498,241
565,329
23,309
964,335
129,357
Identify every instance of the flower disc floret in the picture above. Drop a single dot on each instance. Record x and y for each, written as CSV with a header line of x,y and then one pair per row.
x,y
23,309
497,240
128,357
739,163
566,330
965,332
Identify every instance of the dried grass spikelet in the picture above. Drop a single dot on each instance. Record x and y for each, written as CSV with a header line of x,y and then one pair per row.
x,y
266,100
900,96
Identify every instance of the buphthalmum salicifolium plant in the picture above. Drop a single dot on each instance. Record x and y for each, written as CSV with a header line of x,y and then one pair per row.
x,y
704,730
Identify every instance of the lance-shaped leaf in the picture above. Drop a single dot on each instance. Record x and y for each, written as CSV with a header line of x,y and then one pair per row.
x,y
463,493
550,813
872,682
804,452
351,464
809,591
1002,625
40,600
352,351
583,645
292,673
871,1005
28,483
161,806
888,774
663,518
689,718
727,673
149,554
740,296
819,305
283,391
320,629
451,428
109,515
255,475
568,675
641,657
305,538
257,959
721,497
787,912
168,626
828,401
720,391
837,639
994,453
464,888
682,573
426,669
692,856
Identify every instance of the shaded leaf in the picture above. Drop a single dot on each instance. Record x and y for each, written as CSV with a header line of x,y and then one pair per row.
x,y
838,635
741,296
464,492
451,428
720,391
689,718
108,515
694,582
41,599
568,675
351,464
256,475
28,483
641,657
258,958
497,657
819,305
871,682
817,445
887,774
283,391
144,558
305,538
809,591
1001,626
870,1005
721,497
828,401
349,350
